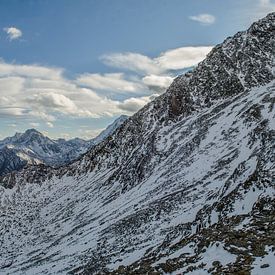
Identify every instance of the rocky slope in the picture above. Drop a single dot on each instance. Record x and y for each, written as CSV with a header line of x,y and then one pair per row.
x,y
32,148
185,186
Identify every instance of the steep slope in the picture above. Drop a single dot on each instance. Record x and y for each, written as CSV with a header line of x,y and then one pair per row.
x,y
10,161
32,147
110,129
186,184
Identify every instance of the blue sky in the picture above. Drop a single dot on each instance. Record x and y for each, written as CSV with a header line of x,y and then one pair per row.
x,y
69,68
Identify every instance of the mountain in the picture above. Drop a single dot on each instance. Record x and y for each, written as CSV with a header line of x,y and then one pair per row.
x,y
184,186
110,129
32,147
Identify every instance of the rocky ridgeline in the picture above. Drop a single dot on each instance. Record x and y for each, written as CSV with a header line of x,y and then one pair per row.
x,y
186,184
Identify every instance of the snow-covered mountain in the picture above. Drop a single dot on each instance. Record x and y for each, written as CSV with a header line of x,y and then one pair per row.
x,y
110,129
32,147
184,186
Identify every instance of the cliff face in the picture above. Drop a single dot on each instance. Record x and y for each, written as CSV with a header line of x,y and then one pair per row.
x,y
186,184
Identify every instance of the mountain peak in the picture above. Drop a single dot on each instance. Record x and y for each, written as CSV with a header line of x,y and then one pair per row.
x,y
110,129
33,131
241,62
264,24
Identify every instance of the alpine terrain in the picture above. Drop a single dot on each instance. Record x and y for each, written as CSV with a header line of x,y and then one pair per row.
x,y
32,147
184,186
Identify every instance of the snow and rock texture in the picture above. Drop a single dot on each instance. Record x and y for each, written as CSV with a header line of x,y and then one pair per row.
x,y
110,129
185,186
32,148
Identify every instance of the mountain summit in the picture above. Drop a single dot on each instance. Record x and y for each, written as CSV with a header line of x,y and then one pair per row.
x,y
184,186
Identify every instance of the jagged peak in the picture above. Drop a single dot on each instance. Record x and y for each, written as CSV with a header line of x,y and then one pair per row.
x,y
264,24
239,63
32,131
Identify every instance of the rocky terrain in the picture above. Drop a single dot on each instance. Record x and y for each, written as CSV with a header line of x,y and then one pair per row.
x,y
184,186
32,148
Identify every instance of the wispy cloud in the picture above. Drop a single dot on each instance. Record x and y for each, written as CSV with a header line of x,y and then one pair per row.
x,y
204,18
133,104
132,62
157,83
49,124
32,71
153,73
181,58
34,124
173,59
109,82
13,33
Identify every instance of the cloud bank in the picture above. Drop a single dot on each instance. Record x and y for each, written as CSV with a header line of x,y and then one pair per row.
x,y
42,95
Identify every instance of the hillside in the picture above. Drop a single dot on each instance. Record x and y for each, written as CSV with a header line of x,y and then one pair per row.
x,y
184,186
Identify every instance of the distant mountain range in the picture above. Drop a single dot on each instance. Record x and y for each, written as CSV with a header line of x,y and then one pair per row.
x,y
32,147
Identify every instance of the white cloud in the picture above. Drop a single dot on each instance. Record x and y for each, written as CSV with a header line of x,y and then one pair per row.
x,y
133,104
174,59
33,71
55,101
13,33
204,18
182,57
109,82
49,124
35,91
131,61
10,84
157,80
157,83
43,94
10,111
34,124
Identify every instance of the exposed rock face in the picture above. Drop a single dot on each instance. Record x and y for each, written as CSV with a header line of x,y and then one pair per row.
x,y
10,161
186,184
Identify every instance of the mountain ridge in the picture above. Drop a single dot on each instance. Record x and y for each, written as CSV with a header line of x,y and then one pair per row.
x,y
185,185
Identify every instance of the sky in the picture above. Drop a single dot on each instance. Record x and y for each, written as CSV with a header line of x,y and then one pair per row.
x,y
69,68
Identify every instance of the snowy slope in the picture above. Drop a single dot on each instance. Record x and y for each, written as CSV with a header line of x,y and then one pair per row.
x,y
186,185
110,129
